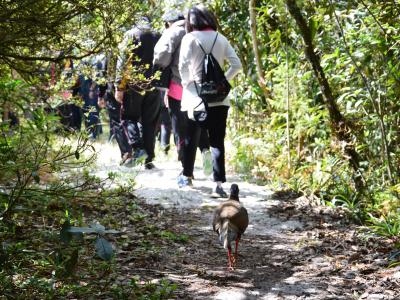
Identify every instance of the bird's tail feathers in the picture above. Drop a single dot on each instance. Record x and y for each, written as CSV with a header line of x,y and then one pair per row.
x,y
227,233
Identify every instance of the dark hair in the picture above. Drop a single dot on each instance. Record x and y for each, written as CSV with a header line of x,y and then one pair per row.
x,y
199,18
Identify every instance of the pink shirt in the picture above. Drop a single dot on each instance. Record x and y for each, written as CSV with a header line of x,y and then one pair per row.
x,y
175,90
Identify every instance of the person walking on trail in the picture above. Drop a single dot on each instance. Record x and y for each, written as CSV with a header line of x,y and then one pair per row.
x,y
202,37
88,90
140,108
70,114
166,55
107,100
87,87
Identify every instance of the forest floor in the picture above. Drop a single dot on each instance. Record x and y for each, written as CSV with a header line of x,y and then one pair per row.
x,y
165,247
292,249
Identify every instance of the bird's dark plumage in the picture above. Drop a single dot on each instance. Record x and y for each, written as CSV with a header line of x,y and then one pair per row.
x,y
230,221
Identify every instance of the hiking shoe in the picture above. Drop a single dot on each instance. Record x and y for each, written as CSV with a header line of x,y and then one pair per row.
x,y
207,163
128,163
126,158
219,192
184,181
149,165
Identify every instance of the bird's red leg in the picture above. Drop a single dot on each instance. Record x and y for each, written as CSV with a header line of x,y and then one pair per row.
x,y
236,248
236,251
230,265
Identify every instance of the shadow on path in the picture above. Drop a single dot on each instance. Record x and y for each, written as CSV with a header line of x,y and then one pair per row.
x,y
291,250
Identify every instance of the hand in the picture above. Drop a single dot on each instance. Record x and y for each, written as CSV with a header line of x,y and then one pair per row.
x,y
101,102
166,99
119,95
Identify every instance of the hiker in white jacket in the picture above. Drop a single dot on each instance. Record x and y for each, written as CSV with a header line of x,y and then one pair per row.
x,y
166,54
201,27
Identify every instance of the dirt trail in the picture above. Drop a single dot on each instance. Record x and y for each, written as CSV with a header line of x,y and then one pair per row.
x,y
291,249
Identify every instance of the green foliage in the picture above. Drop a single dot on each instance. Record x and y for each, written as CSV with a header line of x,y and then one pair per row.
x,y
149,290
286,140
42,267
103,248
34,33
168,235
30,155
388,225
356,44
43,171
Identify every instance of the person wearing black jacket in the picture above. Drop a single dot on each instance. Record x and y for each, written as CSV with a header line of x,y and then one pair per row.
x,y
140,102
107,100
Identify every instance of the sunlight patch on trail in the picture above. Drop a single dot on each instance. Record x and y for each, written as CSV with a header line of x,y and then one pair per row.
x,y
158,186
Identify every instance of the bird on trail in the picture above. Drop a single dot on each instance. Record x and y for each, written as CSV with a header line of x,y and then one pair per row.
x,y
230,222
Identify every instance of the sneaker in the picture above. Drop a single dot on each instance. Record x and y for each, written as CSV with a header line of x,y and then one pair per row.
x,y
128,163
126,158
219,192
207,163
184,181
149,165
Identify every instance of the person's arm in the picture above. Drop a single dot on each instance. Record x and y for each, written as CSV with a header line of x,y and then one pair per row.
x,y
164,50
234,62
184,59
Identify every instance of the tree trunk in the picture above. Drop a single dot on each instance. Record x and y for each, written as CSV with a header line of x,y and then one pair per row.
x,y
260,71
338,123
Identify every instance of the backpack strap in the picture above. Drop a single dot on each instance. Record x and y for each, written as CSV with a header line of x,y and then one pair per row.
x,y
212,47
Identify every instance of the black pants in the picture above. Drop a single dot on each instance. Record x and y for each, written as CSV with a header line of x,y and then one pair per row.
x,y
71,116
204,141
216,127
178,121
178,125
165,128
145,109
116,129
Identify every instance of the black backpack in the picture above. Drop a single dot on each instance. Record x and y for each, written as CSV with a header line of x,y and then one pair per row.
x,y
214,86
